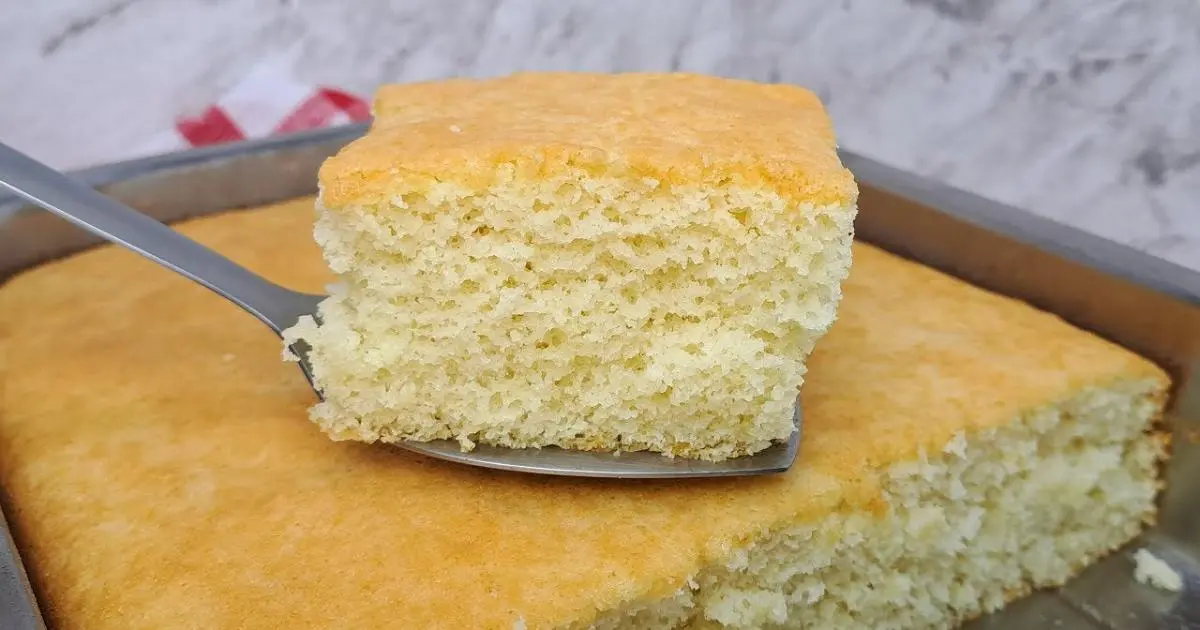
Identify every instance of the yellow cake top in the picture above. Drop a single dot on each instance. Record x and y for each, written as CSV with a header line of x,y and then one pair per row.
x,y
671,128
163,474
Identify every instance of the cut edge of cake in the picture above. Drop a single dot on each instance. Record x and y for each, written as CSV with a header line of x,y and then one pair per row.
x,y
681,324
959,533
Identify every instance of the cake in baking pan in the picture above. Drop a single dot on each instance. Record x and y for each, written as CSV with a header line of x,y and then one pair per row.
x,y
599,262
960,449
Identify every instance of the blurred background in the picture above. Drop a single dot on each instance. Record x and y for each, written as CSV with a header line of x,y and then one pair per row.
x,y
1086,111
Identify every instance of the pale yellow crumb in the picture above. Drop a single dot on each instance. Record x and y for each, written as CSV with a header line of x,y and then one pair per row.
x,y
1151,570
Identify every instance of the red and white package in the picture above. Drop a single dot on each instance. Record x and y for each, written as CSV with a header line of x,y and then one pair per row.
x,y
267,101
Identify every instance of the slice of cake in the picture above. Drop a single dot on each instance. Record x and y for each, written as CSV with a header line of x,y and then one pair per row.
x,y
960,449
600,262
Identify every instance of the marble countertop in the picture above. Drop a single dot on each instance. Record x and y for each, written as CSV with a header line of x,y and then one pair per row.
x,y
1086,111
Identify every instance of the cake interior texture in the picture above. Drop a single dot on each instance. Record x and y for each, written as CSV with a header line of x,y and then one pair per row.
x,y
635,268
960,449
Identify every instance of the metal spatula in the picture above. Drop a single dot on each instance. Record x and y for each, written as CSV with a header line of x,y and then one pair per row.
x,y
280,308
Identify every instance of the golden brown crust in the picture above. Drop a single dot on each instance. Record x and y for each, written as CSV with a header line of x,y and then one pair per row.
x,y
164,475
676,128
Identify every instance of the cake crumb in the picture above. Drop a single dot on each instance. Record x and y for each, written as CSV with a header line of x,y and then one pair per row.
x,y
455,129
1149,569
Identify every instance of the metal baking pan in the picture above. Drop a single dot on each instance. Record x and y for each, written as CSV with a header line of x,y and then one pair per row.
x,y
1148,305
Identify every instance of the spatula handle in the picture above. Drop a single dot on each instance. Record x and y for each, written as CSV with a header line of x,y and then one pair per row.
x,y
276,306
